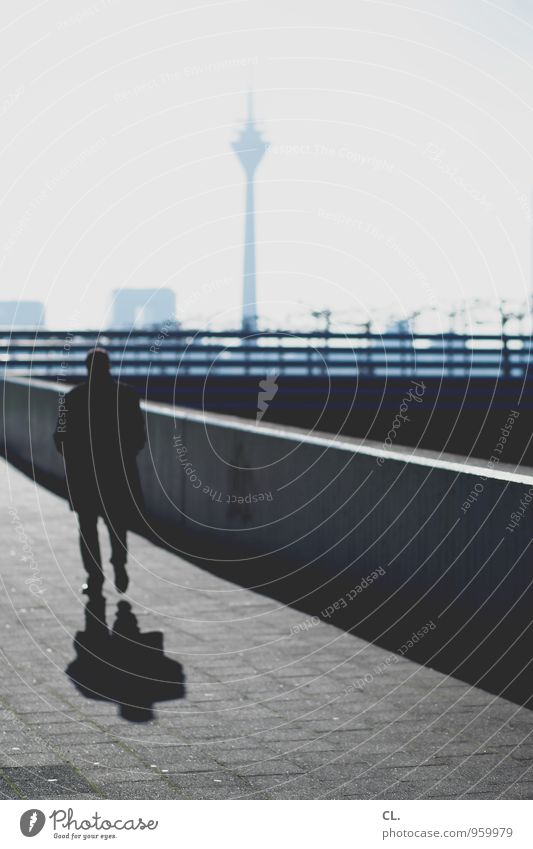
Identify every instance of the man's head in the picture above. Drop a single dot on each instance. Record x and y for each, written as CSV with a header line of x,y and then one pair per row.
x,y
97,362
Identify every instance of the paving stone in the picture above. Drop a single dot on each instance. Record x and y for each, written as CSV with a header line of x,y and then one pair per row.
x,y
49,782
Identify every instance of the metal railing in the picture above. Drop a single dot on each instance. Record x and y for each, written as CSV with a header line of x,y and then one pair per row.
x,y
50,354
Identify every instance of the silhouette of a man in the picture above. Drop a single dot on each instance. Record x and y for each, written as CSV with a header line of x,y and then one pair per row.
x,y
100,435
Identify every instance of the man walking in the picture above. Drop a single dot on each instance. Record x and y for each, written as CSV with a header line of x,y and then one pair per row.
x,y
99,434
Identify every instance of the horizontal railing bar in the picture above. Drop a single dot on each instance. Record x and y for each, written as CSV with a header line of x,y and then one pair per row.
x,y
69,335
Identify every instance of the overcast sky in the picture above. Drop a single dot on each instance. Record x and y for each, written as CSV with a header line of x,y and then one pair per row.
x,y
400,173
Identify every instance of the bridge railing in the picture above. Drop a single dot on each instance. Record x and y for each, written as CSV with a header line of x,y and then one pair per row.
x,y
177,353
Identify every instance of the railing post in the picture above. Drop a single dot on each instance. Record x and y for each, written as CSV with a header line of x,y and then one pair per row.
x,y
506,357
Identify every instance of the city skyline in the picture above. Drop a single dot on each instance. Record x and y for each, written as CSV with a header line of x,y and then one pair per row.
x,y
398,176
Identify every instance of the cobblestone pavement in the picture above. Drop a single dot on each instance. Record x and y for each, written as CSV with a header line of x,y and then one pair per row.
x,y
265,713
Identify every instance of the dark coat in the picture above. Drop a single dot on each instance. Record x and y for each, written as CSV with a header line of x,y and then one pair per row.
x,y
100,435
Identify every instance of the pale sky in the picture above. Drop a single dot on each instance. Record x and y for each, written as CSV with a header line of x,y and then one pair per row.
x,y
400,173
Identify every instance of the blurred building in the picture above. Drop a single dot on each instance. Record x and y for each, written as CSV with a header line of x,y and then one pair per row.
x,y
142,308
21,314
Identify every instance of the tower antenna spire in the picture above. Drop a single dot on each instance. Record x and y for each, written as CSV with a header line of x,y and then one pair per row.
x,y
250,106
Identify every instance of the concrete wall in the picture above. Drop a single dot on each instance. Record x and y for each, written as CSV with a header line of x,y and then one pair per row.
x,y
325,507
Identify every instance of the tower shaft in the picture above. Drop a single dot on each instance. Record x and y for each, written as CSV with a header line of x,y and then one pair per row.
x,y
249,294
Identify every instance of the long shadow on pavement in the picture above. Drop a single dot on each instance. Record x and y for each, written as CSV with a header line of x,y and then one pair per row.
x,y
123,665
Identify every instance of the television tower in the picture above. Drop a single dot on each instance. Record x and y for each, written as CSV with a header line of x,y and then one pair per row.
x,y
250,147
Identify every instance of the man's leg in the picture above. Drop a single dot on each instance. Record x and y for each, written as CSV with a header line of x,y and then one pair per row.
x,y
90,551
119,552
